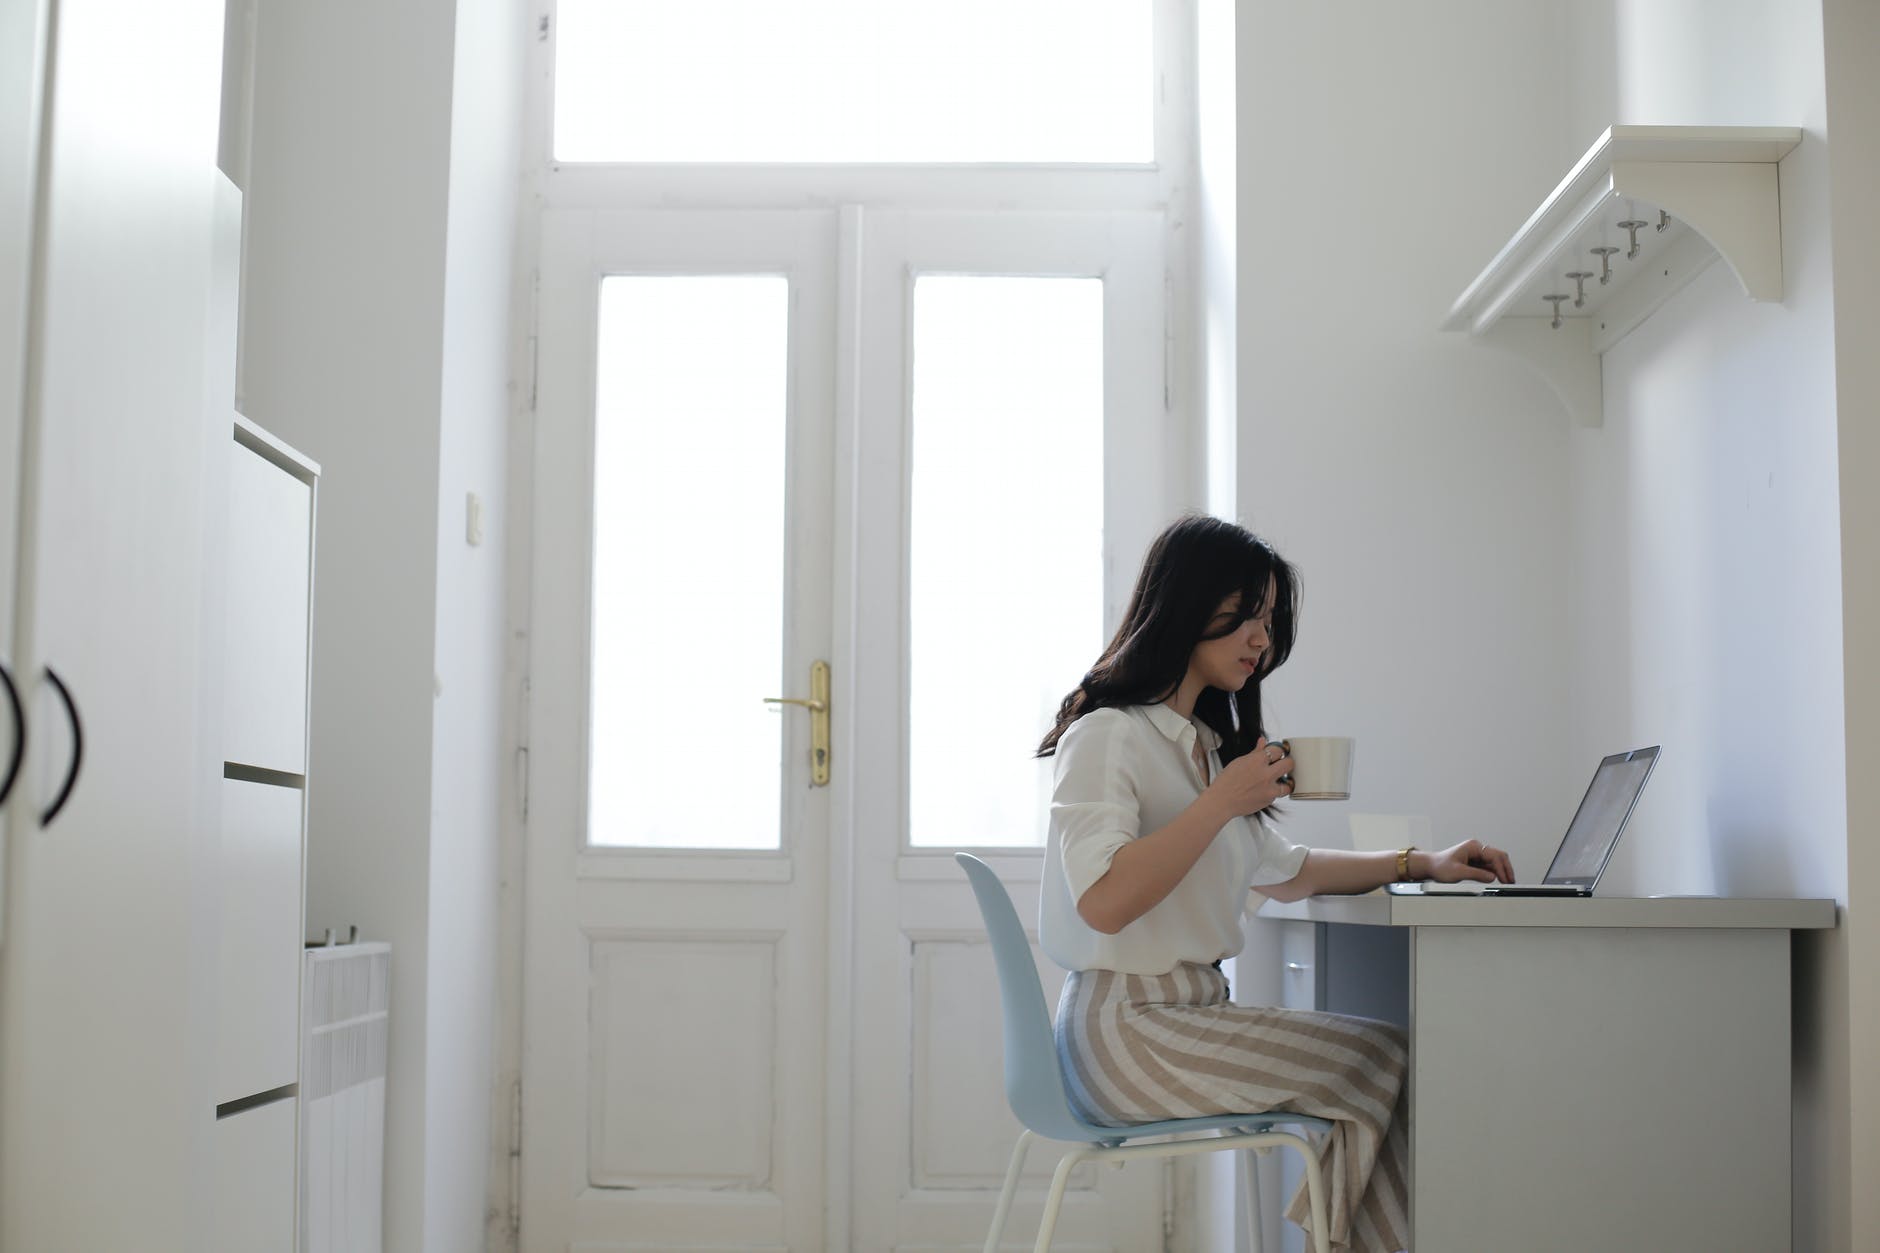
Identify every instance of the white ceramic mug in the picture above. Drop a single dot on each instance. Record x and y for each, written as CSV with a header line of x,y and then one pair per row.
x,y
1321,766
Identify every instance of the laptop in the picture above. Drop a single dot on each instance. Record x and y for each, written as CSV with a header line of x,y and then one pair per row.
x,y
1588,843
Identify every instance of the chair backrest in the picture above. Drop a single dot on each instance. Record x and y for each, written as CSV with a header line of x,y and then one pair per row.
x,y
1034,1081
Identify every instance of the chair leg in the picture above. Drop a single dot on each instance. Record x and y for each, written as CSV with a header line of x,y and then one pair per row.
x,y
1011,1187
1315,1194
1249,1163
1048,1224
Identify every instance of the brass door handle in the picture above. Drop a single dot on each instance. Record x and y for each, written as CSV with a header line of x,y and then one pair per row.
x,y
818,706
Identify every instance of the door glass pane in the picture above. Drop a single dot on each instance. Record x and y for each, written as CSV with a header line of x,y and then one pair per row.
x,y
855,80
689,417
1006,545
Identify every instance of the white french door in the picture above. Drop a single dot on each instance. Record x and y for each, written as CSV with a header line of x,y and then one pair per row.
x,y
758,1010
674,918
931,1129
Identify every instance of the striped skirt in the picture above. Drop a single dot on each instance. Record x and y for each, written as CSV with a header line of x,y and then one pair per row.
x,y
1137,1048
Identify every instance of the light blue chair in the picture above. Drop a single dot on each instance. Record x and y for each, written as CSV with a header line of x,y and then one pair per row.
x,y
1034,1085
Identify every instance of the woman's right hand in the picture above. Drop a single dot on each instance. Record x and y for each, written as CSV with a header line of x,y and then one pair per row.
x,y
1252,781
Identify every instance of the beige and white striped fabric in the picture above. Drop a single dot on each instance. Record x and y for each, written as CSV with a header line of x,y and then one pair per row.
x,y
1138,1048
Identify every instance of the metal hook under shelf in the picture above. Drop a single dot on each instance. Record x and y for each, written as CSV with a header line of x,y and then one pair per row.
x,y
1604,253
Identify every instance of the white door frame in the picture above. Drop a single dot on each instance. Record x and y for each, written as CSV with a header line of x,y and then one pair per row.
x,y
1166,187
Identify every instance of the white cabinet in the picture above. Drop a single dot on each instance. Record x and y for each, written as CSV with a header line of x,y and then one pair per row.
x,y
267,594
259,996
120,915
265,678
254,1204
108,959
149,954
21,40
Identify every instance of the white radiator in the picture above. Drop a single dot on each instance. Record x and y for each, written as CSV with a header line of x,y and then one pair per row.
x,y
346,991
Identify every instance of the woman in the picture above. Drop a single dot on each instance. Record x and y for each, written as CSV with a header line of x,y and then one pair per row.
x,y
1158,829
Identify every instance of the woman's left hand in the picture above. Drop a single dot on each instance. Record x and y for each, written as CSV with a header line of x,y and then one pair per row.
x,y
1471,859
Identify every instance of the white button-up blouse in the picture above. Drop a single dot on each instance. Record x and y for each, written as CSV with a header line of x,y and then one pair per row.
x,y
1122,773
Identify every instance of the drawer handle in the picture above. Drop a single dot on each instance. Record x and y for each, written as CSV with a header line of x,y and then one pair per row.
x,y
1297,966
19,736
78,750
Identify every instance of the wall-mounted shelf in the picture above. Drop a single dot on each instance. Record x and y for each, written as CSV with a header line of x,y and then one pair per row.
x,y
1649,208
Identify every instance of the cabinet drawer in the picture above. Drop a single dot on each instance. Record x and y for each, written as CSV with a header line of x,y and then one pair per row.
x,y
258,1012
1299,965
270,540
255,1181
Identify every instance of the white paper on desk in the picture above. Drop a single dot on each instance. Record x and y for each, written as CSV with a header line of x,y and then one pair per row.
x,y
1386,833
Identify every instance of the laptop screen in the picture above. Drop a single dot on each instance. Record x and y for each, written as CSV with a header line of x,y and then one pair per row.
x,y
1601,817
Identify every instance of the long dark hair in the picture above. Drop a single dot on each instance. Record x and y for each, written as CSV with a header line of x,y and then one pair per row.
x,y
1193,565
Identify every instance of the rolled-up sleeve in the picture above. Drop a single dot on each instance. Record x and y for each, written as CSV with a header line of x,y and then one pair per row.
x,y
1094,808
1275,858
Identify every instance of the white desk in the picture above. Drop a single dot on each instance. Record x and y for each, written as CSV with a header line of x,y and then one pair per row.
x,y
1592,1074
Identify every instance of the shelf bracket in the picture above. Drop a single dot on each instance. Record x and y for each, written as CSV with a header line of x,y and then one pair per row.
x,y
1716,189
1734,205
1564,359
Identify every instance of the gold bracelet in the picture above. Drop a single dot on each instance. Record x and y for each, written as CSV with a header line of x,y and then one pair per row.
x,y
1403,864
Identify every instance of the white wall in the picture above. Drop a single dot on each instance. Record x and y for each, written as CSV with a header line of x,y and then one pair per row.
x,y
342,326
377,293
1707,613
1212,1220
1216,268
1706,508
1707,527
1491,589
1418,481
468,775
